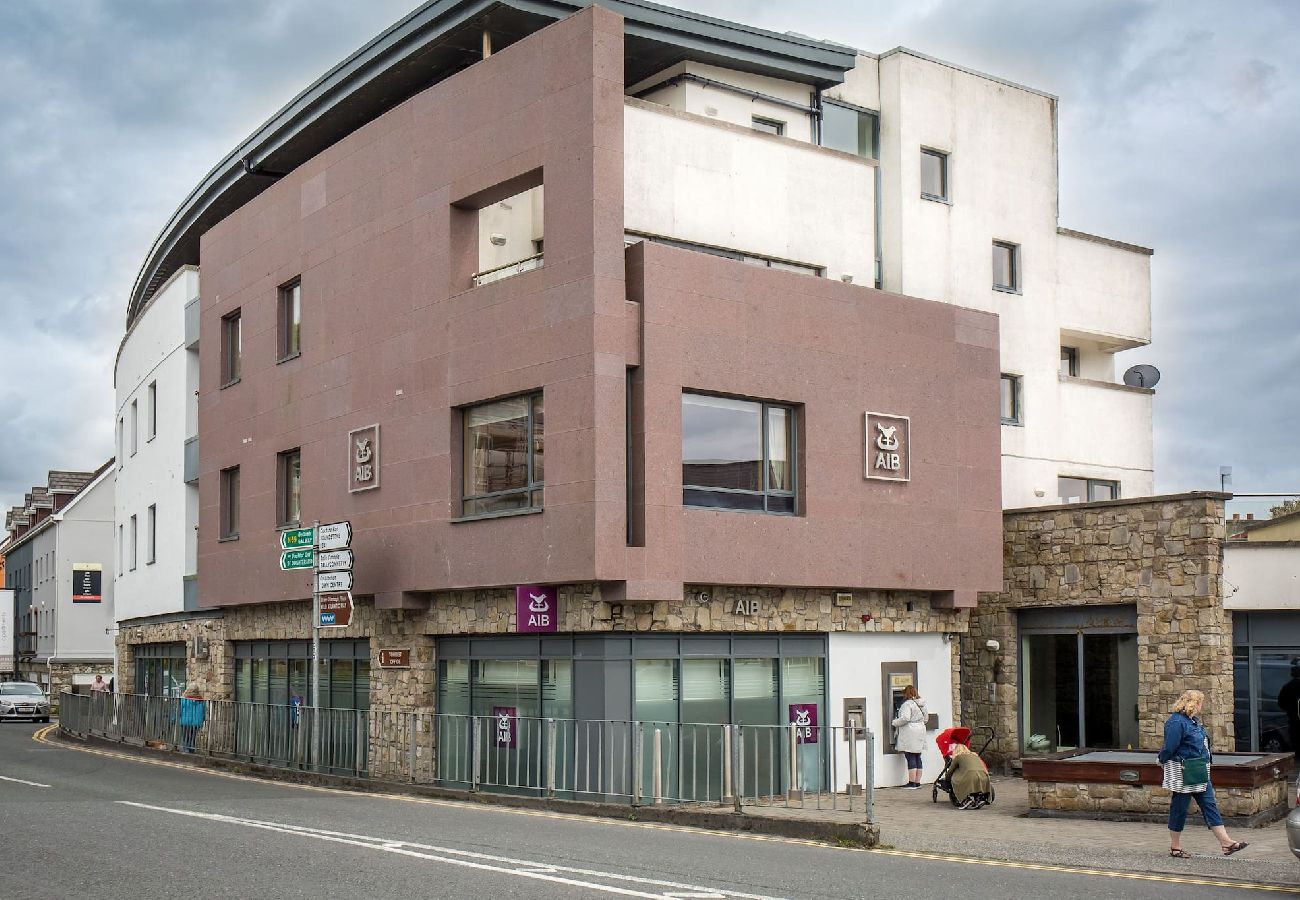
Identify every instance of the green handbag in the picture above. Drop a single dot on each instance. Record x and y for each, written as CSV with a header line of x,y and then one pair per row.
x,y
1196,771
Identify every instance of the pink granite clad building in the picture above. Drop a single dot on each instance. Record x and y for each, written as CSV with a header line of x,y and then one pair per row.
x,y
600,383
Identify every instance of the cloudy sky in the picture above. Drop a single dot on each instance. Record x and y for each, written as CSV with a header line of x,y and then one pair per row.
x,y
1177,121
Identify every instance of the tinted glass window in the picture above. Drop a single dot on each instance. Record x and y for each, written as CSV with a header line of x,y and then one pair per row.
x,y
849,130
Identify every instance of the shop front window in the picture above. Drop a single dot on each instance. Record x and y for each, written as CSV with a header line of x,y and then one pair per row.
x,y
1078,689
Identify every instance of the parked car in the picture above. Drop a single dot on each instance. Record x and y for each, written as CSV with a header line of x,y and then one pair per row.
x,y
23,700
1293,826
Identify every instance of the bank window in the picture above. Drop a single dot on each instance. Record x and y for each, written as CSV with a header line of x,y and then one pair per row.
x,y
230,503
934,175
1070,362
768,126
290,316
503,453
1012,403
1077,490
153,410
151,535
738,454
289,484
849,129
1006,266
231,348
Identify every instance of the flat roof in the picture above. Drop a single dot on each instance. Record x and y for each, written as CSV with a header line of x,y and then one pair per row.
x,y
432,43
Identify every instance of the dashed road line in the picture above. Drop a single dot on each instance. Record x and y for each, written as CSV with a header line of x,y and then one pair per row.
x,y
1168,878
23,781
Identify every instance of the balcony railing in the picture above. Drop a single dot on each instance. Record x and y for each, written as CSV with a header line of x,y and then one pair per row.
x,y
527,264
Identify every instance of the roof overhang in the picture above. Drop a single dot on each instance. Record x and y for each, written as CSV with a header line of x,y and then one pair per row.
x,y
431,44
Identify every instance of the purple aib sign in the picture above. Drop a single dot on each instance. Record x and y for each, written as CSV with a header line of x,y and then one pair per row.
x,y
803,716
536,608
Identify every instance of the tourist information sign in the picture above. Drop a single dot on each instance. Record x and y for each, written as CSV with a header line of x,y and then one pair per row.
x,y
333,581
334,560
335,609
336,536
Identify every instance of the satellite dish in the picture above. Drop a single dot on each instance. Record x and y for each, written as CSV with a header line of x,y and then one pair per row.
x,y
1142,376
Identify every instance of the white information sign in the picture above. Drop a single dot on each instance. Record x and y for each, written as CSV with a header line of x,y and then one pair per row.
x,y
335,536
333,581
334,560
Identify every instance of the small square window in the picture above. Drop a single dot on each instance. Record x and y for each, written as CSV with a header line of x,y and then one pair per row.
x,y
231,348
229,503
1070,362
291,320
1078,490
1012,402
768,126
934,175
289,483
1006,266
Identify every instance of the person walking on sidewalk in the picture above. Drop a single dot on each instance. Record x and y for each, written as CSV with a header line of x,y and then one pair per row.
x,y
911,734
1186,757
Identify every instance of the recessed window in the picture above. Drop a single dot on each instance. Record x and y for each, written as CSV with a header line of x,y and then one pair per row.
x,y
737,454
511,236
1012,411
153,410
503,456
229,503
135,426
1006,266
121,441
768,126
151,535
291,320
134,545
934,175
231,349
121,549
1078,490
1070,362
289,483
849,129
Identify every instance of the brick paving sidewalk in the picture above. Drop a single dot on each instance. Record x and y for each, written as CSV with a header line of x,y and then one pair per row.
x,y
908,820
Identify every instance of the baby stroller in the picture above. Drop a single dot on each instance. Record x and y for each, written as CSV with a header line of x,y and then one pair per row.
x,y
945,741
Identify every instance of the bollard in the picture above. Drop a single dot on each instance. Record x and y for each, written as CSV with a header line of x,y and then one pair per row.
x,y
658,779
728,788
476,755
737,765
869,782
412,744
854,786
637,754
550,757
792,791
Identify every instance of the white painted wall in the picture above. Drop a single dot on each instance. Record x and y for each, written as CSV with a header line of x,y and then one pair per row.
x,y
727,106
1260,576
84,534
854,666
688,179
154,351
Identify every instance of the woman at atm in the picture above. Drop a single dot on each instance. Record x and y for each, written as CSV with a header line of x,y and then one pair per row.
x,y
911,734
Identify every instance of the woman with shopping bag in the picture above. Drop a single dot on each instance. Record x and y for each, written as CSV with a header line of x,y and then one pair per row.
x,y
1186,758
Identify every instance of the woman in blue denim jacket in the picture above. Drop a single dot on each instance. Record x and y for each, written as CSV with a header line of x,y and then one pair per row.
x,y
1185,738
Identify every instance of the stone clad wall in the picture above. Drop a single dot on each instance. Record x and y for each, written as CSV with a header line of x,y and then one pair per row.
x,y
1240,805
1164,555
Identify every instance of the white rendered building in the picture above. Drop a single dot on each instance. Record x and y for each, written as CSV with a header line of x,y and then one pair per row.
x,y
156,502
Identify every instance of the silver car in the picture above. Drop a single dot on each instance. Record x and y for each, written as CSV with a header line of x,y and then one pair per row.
x,y
23,700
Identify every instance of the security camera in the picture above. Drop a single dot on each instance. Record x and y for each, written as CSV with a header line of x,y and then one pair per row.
x,y
993,645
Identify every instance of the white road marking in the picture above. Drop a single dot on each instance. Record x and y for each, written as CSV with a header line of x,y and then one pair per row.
x,y
502,864
21,781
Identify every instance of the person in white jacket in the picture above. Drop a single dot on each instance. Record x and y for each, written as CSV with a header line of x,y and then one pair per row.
x,y
911,734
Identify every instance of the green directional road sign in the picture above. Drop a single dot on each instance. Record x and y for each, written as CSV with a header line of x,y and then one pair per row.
x,y
298,559
298,537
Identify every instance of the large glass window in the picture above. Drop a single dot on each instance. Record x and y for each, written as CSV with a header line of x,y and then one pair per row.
x,y
1078,689
849,129
160,669
737,454
1078,490
503,456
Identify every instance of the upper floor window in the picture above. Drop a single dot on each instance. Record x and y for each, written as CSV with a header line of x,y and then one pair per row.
x,y
503,455
850,129
1070,362
135,426
153,410
289,483
1012,403
121,440
229,502
768,126
231,348
738,454
1006,266
134,544
1077,490
151,535
290,320
934,174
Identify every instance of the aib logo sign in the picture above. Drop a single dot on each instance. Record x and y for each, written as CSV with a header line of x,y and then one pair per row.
x,y
536,608
803,716
889,447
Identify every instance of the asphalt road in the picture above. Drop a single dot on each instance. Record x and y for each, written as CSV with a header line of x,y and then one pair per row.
x,y
92,825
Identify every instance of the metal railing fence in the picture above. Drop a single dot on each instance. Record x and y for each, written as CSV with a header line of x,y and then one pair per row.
x,y
614,761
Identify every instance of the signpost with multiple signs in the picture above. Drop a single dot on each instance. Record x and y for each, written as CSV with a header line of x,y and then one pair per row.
x,y
325,550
